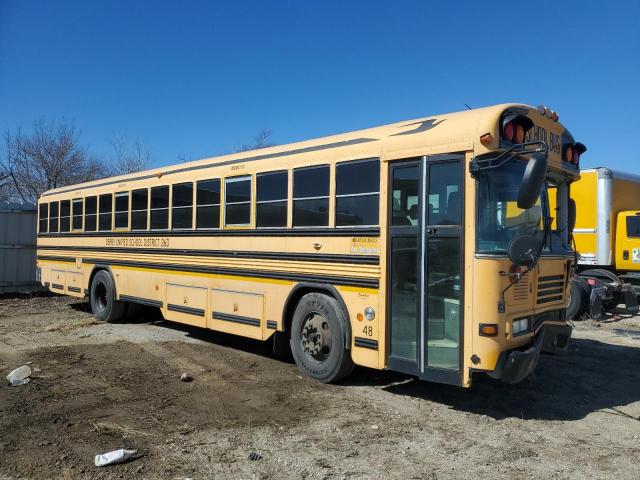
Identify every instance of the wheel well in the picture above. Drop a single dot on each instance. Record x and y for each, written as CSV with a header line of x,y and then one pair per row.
x,y
299,291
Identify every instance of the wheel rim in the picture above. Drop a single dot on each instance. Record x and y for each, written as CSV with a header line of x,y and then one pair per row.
x,y
315,337
101,296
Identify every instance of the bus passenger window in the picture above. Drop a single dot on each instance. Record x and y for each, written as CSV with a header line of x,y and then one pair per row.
x,y
444,194
405,197
160,208
76,219
311,196
271,208
357,193
106,207
182,206
139,207
43,218
237,201
90,214
65,215
122,210
53,217
208,204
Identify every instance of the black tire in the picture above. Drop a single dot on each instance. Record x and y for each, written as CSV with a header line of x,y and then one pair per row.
x,y
577,298
318,338
102,295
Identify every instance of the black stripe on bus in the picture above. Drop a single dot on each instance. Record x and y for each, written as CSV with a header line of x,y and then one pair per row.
x,y
549,299
57,259
550,277
272,324
256,232
366,343
57,286
295,277
309,257
142,301
74,289
235,318
198,312
296,151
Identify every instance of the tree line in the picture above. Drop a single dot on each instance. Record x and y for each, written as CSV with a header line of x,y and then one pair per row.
x,y
51,156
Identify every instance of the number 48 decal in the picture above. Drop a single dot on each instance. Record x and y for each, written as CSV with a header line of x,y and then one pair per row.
x,y
368,330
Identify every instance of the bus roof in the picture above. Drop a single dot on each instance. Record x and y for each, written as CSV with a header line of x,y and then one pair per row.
x,y
442,133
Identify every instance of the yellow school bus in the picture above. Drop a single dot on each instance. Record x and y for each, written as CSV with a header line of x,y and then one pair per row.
x,y
423,246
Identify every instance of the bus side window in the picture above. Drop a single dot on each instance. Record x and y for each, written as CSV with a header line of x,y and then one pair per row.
x,y
160,208
122,210
105,209
311,196
43,218
208,203
90,214
271,202
76,219
139,207
357,193
237,200
182,206
53,216
65,215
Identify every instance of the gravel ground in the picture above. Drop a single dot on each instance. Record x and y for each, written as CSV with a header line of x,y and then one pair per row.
x,y
99,387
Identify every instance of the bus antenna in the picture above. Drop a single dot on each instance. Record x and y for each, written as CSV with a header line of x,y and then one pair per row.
x,y
468,106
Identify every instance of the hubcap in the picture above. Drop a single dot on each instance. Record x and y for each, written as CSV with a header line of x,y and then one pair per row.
x,y
316,337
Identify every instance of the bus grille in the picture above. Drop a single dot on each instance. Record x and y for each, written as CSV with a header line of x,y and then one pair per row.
x,y
550,289
521,289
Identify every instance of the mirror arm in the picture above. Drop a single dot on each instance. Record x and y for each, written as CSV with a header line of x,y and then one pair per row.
x,y
479,164
501,303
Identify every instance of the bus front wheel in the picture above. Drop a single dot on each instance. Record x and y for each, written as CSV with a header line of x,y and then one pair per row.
x,y
318,338
102,295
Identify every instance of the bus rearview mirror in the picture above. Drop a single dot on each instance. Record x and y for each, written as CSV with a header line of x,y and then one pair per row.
x,y
523,250
533,179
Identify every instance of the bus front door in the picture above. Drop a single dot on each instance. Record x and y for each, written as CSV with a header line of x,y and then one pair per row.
x,y
425,275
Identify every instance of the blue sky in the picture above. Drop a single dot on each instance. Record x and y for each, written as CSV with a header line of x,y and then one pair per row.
x,y
195,79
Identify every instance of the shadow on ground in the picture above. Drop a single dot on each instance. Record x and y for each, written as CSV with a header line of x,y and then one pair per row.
x,y
591,377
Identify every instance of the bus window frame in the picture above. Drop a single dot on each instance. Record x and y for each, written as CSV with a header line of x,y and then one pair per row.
x,y
192,206
146,209
40,218
364,194
330,198
251,203
286,199
74,215
207,205
167,208
126,193
85,214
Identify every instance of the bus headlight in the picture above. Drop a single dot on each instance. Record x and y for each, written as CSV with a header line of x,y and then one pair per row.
x,y
369,313
520,326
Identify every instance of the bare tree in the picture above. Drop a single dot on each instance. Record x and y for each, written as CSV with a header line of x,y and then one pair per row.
x,y
129,156
261,140
49,157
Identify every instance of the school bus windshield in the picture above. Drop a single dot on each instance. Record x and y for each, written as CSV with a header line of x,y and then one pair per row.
x,y
499,218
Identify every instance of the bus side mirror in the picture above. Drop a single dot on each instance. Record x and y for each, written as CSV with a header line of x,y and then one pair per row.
x,y
532,181
523,250
571,220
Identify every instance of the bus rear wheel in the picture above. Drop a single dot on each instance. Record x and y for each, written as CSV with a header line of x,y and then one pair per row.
x,y
318,338
102,295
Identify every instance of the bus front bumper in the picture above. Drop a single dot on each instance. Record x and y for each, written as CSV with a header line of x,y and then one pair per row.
x,y
516,365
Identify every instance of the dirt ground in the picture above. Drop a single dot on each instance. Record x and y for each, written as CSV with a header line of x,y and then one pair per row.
x,y
99,387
